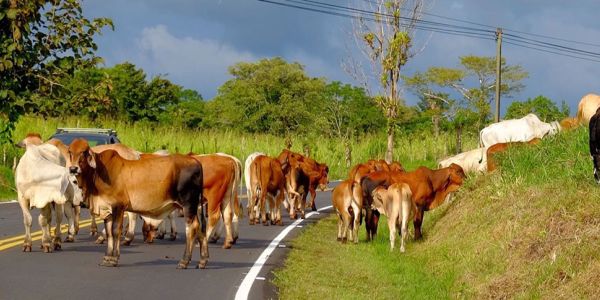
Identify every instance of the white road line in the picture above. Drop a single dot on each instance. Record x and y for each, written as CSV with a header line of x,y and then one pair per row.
x,y
244,289
6,202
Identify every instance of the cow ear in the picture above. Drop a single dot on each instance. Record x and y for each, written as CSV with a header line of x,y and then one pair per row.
x,y
90,158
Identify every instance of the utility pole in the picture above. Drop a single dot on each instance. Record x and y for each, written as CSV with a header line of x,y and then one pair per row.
x,y
498,70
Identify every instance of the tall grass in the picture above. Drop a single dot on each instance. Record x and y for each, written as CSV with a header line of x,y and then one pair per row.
x,y
529,230
412,151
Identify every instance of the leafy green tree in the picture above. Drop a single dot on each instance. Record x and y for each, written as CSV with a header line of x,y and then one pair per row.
x,y
474,69
350,111
41,42
270,95
543,107
189,111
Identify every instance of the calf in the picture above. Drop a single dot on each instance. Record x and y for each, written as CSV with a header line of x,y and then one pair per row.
x,y
347,210
395,202
266,180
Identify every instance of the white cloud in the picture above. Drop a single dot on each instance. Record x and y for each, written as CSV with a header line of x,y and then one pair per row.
x,y
194,63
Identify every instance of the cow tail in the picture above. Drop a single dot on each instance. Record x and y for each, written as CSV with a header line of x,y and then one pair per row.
x,y
237,206
481,145
351,212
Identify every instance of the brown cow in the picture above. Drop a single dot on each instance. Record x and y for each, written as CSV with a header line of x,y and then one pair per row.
x,y
347,210
303,175
152,187
266,179
429,190
501,147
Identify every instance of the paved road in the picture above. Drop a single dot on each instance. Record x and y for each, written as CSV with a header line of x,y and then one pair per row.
x,y
145,271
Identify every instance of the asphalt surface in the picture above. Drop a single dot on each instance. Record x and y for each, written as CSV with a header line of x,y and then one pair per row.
x,y
146,271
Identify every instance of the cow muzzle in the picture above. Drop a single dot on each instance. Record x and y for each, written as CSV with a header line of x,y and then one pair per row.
x,y
74,170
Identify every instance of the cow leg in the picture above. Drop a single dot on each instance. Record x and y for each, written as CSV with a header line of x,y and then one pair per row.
x,y
117,229
227,209
45,218
76,216
69,213
191,234
130,235
313,195
263,208
417,222
375,222
355,221
340,224
235,225
303,205
59,210
278,201
203,241
27,219
93,226
392,220
108,255
368,223
173,227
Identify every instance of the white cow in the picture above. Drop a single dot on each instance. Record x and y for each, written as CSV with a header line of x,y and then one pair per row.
x,y
516,130
41,182
470,161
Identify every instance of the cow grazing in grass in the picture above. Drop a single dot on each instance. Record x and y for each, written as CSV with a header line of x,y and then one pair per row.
x,y
429,190
516,130
587,108
152,187
395,202
594,142
347,210
492,151
471,161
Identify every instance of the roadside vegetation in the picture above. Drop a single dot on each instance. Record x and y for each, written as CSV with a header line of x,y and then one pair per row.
x,y
422,149
528,230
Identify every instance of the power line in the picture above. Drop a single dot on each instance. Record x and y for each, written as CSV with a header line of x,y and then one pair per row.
x,y
419,24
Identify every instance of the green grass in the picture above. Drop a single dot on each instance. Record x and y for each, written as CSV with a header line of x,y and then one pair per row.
x,y
412,151
529,230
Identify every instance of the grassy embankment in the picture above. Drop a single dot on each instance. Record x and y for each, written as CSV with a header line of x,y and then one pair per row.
x,y
147,137
529,230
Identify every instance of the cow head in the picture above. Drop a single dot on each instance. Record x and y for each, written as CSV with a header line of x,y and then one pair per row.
x,y
446,181
554,127
379,194
32,138
81,156
324,178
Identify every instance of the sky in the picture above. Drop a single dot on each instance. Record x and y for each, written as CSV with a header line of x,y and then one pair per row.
x,y
193,42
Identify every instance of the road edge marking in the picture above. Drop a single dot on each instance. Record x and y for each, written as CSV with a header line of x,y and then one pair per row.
x,y
244,288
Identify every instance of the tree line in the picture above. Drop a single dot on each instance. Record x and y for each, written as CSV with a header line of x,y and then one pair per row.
x,y
49,68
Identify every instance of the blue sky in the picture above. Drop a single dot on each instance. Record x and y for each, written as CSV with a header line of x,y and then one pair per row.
x,y
192,42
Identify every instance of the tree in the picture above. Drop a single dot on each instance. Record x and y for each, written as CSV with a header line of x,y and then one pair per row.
x,y
349,111
270,95
385,41
480,70
41,42
543,107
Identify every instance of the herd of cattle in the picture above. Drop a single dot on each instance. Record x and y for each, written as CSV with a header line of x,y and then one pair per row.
x,y
114,180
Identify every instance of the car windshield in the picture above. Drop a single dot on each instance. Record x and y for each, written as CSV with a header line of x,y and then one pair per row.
x,y
93,140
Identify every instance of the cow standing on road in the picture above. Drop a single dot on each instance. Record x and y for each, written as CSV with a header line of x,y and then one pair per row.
x,y
152,187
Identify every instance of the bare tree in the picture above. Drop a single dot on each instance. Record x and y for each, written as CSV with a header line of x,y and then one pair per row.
x,y
385,37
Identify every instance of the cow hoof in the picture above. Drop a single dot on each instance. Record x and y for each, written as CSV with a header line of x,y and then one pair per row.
x,y
251,222
339,239
173,237
303,217
69,239
227,246
47,248
57,247
280,223
183,264
313,208
344,240
127,242
160,236
99,240
27,248
402,249
109,261
202,264
266,223
93,233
